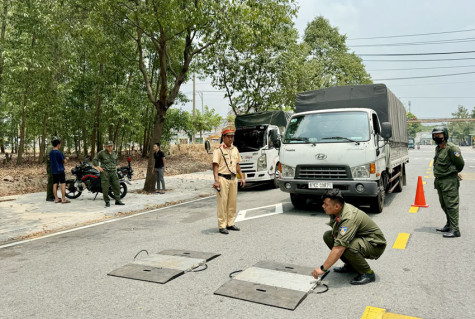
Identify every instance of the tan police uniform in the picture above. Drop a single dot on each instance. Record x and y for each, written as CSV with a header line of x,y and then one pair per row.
x,y
227,197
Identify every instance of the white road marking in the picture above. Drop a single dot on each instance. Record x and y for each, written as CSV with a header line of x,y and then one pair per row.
x,y
241,215
100,223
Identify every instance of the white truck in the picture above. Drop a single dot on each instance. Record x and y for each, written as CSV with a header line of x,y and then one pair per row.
x,y
258,138
353,138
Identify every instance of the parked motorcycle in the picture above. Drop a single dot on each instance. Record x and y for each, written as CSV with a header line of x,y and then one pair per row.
x,y
90,178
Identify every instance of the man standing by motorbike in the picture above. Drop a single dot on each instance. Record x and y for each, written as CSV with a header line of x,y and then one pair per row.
x,y
106,163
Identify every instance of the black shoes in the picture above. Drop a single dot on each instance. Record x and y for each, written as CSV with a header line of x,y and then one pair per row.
x,y
118,202
108,204
344,269
233,227
363,279
223,231
452,234
444,229
50,199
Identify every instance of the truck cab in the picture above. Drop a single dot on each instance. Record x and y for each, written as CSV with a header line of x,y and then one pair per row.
x,y
353,138
259,148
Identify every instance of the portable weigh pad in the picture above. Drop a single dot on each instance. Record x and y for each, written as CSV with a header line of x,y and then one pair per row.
x,y
271,283
164,266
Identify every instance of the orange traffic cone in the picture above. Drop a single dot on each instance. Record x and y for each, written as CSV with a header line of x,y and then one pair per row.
x,y
420,200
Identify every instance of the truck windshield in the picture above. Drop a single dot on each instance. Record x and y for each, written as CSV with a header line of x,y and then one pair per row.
x,y
328,127
250,139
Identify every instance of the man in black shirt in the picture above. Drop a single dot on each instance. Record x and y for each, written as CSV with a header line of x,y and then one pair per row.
x,y
159,167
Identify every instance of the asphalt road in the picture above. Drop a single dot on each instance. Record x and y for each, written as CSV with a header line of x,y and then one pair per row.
x,y
65,276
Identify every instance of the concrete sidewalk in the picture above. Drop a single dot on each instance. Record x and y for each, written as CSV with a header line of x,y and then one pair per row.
x,y
29,215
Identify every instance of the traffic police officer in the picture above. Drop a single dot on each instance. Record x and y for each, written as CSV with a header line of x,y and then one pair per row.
x,y
106,163
226,161
354,238
448,163
49,187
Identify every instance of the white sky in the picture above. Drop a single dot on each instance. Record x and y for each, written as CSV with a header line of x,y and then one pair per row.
x,y
430,97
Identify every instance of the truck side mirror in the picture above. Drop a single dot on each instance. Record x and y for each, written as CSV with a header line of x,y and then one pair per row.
x,y
386,130
207,146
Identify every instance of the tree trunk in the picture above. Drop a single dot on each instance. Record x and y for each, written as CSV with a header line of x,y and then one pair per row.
x,y
2,39
95,136
149,185
23,126
84,139
41,157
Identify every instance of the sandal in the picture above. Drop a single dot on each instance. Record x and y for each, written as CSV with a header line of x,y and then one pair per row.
x,y
66,202
57,201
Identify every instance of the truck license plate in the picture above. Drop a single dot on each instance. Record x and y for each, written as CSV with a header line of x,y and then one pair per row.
x,y
320,185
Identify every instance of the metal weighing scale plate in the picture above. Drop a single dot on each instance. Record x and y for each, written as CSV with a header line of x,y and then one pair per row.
x,y
164,266
270,283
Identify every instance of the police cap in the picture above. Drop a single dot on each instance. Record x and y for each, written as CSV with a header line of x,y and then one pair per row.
x,y
109,143
229,130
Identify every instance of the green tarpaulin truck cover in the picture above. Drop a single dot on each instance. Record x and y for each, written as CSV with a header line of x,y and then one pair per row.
x,y
277,118
372,96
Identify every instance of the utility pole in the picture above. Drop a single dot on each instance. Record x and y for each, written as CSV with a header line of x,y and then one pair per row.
x,y
409,106
194,105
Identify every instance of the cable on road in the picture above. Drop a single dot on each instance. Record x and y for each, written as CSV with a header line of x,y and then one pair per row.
x,y
140,252
197,270
231,275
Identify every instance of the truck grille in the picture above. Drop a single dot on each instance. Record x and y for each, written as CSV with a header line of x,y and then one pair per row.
x,y
247,167
322,172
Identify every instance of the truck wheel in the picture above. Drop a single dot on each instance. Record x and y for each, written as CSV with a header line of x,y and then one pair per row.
x,y
376,204
299,202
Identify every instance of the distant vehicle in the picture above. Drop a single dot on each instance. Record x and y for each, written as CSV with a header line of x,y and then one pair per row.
x,y
258,138
411,143
353,138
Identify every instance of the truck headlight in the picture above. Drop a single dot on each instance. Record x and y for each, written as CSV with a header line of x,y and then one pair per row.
x,y
360,171
288,171
262,163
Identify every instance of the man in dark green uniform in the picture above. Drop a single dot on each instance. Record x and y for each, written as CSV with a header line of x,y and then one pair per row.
x,y
354,238
106,163
448,163
49,187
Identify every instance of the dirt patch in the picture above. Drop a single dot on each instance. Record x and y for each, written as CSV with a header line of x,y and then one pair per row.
x,y
31,177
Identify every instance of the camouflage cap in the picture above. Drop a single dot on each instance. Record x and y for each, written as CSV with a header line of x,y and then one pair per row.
x,y
109,143
55,138
228,130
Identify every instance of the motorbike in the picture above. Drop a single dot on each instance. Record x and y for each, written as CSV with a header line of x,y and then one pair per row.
x,y
87,177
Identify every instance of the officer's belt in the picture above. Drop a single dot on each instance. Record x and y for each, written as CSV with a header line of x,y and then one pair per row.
x,y
227,176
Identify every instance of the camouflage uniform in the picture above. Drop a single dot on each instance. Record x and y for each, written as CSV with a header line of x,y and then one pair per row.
x,y
448,162
109,176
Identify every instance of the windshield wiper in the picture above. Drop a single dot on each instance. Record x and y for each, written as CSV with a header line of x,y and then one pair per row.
x,y
304,139
340,138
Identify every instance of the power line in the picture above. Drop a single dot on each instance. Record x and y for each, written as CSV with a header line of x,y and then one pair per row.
x,y
411,35
424,77
437,97
427,68
421,60
412,54
447,41
433,84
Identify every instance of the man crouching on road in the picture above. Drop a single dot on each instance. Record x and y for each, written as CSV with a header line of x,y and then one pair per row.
x,y
226,161
354,238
